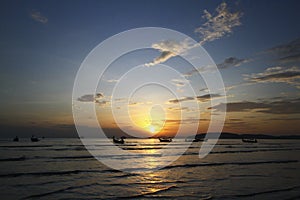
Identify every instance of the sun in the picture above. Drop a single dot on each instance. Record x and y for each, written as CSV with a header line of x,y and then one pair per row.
x,y
152,129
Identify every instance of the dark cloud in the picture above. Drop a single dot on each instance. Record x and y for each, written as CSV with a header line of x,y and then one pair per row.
x,y
102,103
277,75
286,118
287,53
290,59
99,95
231,62
203,98
90,97
181,99
179,109
239,106
185,121
271,107
86,98
288,48
208,97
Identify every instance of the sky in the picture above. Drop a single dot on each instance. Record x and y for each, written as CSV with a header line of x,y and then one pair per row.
x,y
255,46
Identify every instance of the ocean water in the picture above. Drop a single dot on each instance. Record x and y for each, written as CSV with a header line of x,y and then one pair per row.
x,y
64,169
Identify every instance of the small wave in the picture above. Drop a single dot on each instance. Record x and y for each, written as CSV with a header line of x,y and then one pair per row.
x,y
68,149
13,159
25,146
231,163
72,157
247,175
59,191
141,148
124,175
159,182
51,173
245,151
147,194
267,192
23,184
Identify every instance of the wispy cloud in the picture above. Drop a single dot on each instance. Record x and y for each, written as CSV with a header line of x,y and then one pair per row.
x,y
216,26
112,81
37,16
168,50
232,62
207,68
219,24
276,75
179,82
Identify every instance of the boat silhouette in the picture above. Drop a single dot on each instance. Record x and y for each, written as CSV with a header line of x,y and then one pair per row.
x,y
118,140
249,140
16,139
34,139
165,139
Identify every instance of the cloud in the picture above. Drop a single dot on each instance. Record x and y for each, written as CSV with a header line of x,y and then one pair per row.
x,y
287,53
208,68
289,106
286,118
90,97
218,25
112,81
179,82
181,99
214,28
185,121
102,103
86,98
37,16
133,103
240,106
99,95
203,98
208,97
288,48
277,75
121,99
179,109
295,58
168,50
232,62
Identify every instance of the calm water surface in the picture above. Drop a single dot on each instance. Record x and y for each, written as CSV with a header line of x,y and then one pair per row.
x,y
64,169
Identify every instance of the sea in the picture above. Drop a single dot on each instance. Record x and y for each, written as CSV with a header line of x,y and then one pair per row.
x,y
64,169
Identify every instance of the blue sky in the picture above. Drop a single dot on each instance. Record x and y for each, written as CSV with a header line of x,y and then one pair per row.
x,y
43,44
